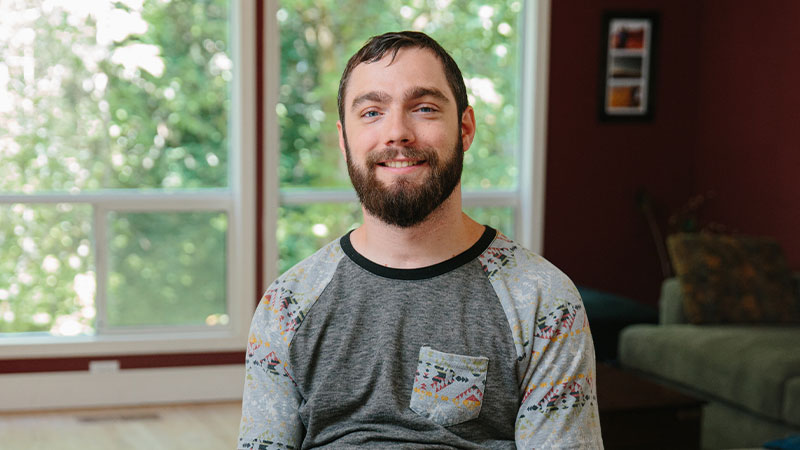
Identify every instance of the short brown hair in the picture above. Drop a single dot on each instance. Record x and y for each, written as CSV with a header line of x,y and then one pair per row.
x,y
378,46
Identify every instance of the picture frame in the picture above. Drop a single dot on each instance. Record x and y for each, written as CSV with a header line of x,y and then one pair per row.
x,y
627,72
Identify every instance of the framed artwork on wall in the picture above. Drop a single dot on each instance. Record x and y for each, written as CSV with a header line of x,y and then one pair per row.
x,y
627,69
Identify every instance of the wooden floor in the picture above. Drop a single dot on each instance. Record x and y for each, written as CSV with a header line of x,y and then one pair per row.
x,y
211,426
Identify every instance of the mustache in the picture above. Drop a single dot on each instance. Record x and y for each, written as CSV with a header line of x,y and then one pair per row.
x,y
393,152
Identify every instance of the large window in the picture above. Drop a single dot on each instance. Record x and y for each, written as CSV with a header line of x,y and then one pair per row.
x,y
316,39
124,206
127,150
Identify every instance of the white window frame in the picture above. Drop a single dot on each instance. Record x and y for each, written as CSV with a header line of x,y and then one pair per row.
x,y
528,197
237,201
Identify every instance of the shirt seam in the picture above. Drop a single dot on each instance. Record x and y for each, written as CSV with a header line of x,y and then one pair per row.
x,y
307,313
509,328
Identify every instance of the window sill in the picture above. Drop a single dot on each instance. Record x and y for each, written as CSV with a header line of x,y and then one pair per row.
x,y
122,344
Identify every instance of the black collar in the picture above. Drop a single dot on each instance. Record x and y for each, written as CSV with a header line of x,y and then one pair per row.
x,y
420,273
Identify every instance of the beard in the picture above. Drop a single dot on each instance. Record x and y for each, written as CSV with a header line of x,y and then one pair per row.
x,y
406,203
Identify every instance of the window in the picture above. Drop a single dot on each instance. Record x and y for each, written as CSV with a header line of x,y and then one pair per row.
x,y
487,39
126,192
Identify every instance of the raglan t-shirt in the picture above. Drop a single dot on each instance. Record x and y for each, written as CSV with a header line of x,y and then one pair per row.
x,y
489,349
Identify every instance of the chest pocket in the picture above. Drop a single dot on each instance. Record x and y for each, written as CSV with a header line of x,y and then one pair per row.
x,y
448,388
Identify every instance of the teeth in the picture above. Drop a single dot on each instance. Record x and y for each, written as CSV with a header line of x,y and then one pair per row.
x,y
400,164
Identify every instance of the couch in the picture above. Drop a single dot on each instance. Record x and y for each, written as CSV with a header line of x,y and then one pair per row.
x,y
747,371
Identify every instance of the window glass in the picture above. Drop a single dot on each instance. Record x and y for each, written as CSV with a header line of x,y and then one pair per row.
x,y
317,38
303,229
499,218
167,269
113,94
47,274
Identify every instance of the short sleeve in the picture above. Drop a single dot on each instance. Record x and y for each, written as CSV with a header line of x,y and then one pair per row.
x,y
559,407
556,362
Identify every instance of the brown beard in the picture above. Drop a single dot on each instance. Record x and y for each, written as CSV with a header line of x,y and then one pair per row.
x,y
406,203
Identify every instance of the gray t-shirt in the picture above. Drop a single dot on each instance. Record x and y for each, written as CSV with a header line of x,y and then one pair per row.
x,y
490,349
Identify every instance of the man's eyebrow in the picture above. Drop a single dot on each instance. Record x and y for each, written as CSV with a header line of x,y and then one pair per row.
x,y
411,94
419,92
372,96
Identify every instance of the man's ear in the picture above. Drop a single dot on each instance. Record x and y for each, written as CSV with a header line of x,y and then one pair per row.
x,y
340,128
467,127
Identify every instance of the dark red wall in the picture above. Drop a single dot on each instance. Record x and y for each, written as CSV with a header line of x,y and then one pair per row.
x,y
727,119
593,230
748,140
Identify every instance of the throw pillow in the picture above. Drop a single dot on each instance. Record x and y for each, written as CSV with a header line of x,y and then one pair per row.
x,y
733,279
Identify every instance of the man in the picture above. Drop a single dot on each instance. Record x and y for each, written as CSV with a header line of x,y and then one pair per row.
x,y
421,328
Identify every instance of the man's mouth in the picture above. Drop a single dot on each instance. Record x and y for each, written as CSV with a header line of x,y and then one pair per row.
x,y
401,164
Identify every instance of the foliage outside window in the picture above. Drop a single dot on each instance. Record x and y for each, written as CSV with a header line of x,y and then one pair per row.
x,y
113,116
318,36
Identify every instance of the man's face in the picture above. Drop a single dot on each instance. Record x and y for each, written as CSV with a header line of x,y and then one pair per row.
x,y
402,137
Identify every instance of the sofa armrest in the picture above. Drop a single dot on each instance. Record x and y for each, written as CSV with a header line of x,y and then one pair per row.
x,y
670,304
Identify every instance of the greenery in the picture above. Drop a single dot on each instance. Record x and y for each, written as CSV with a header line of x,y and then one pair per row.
x,y
92,108
303,229
167,269
46,269
134,94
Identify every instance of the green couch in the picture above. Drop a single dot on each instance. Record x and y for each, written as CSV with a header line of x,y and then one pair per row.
x,y
748,374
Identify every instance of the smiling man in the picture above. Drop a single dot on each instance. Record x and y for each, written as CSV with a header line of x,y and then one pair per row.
x,y
421,328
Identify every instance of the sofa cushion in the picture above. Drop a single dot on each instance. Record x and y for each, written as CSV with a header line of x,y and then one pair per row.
x,y
744,365
791,402
733,279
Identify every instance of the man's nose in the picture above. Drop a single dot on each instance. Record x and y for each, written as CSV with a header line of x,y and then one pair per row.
x,y
399,130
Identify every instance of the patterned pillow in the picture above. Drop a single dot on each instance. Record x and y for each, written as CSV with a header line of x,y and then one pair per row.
x,y
733,279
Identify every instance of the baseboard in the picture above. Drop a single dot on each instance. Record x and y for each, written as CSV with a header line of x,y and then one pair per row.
x,y
58,390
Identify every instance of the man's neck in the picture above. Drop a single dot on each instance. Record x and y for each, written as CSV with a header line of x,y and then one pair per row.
x,y
444,234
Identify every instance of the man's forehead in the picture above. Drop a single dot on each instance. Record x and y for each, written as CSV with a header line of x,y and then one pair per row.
x,y
414,65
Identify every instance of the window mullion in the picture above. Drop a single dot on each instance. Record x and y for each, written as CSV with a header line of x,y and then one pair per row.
x,y
306,196
191,200
533,76
100,231
271,136
490,198
289,197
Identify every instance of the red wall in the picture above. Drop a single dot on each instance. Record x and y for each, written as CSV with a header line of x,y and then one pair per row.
x,y
727,119
748,141
593,230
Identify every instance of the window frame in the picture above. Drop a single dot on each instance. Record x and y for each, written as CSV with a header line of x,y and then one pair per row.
x,y
238,201
527,199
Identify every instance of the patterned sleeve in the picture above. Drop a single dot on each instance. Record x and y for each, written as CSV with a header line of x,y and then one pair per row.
x,y
271,400
559,405
556,365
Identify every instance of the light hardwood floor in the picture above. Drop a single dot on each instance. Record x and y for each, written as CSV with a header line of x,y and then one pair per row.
x,y
208,426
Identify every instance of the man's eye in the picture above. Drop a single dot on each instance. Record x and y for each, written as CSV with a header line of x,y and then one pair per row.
x,y
426,109
370,114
